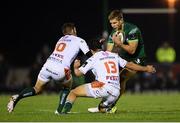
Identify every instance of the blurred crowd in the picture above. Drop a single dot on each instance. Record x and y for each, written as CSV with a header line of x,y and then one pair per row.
x,y
167,77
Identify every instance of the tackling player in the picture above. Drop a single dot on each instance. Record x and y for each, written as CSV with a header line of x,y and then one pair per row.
x,y
105,65
126,40
57,66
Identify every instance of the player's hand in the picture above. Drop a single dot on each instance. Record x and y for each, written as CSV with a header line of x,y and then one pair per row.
x,y
77,63
116,39
102,40
150,69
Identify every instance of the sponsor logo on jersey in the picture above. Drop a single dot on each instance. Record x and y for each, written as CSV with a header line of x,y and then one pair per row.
x,y
82,41
137,61
58,55
114,78
51,72
108,57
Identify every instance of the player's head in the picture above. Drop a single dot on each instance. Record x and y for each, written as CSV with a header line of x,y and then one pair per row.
x,y
69,29
95,45
116,19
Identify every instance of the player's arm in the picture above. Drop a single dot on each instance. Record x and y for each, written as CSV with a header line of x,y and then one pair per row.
x,y
85,49
79,71
76,68
110,46
136,67
130,47
110,43
89,54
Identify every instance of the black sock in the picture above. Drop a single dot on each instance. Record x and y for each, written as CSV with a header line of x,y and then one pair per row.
x,y
67,107
27,92
63,95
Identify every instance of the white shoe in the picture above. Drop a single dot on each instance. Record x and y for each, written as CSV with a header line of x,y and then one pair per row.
x,y
93,110
11,104
56,113
96,110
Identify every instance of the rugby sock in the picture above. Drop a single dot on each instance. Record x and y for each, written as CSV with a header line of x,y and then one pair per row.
x,y
67,107
63,95
25,93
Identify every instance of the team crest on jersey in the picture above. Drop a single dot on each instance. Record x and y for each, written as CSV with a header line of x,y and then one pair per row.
x,y
137,61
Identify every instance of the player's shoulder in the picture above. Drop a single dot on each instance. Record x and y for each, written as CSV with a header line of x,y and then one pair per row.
x,y
131,28
105,53
77,37
128,24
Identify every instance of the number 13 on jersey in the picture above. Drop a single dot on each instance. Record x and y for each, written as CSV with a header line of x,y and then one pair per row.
x,y
110,67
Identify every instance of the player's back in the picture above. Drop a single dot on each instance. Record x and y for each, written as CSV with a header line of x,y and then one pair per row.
x,y
106,67
67,49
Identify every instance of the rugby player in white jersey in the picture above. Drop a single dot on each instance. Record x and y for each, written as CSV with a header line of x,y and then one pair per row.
x,y
57,66
105,65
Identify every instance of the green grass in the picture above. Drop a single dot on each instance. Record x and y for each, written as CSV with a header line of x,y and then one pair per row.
x,y
154,107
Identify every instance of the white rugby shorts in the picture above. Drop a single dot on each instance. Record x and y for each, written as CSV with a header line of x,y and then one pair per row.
x,y
103,90
54,70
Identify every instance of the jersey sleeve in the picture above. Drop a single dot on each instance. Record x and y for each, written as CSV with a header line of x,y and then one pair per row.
x,y
83,46
88,65
133,34
110,38
122,62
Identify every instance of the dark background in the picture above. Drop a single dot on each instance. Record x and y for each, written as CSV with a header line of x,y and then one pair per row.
x,y
27,25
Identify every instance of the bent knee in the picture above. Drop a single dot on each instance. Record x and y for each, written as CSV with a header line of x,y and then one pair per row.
x,y
74,91
79,92
38,89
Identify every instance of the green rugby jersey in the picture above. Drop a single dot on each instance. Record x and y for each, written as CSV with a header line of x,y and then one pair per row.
x,y
131,33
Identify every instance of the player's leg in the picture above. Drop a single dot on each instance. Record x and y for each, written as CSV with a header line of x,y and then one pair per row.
x,y
42,79
63,95
94,89
107,101
27,92
77,92
125,75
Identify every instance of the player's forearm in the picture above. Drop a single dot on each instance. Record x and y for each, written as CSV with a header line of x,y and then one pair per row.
x,y
77,72
127,48
136,67
109,47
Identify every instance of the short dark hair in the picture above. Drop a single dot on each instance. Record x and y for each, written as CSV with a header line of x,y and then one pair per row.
x,y
115,14
67,28
95,44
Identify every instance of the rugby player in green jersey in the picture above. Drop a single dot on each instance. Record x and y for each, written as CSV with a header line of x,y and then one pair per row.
x,y
126,40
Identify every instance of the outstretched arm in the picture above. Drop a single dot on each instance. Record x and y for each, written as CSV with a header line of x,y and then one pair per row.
x,y
136,67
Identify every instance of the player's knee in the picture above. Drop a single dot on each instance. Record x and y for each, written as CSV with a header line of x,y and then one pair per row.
x,y
38,89
73,92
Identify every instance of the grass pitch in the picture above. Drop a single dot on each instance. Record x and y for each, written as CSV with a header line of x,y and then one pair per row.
x,y
154,107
